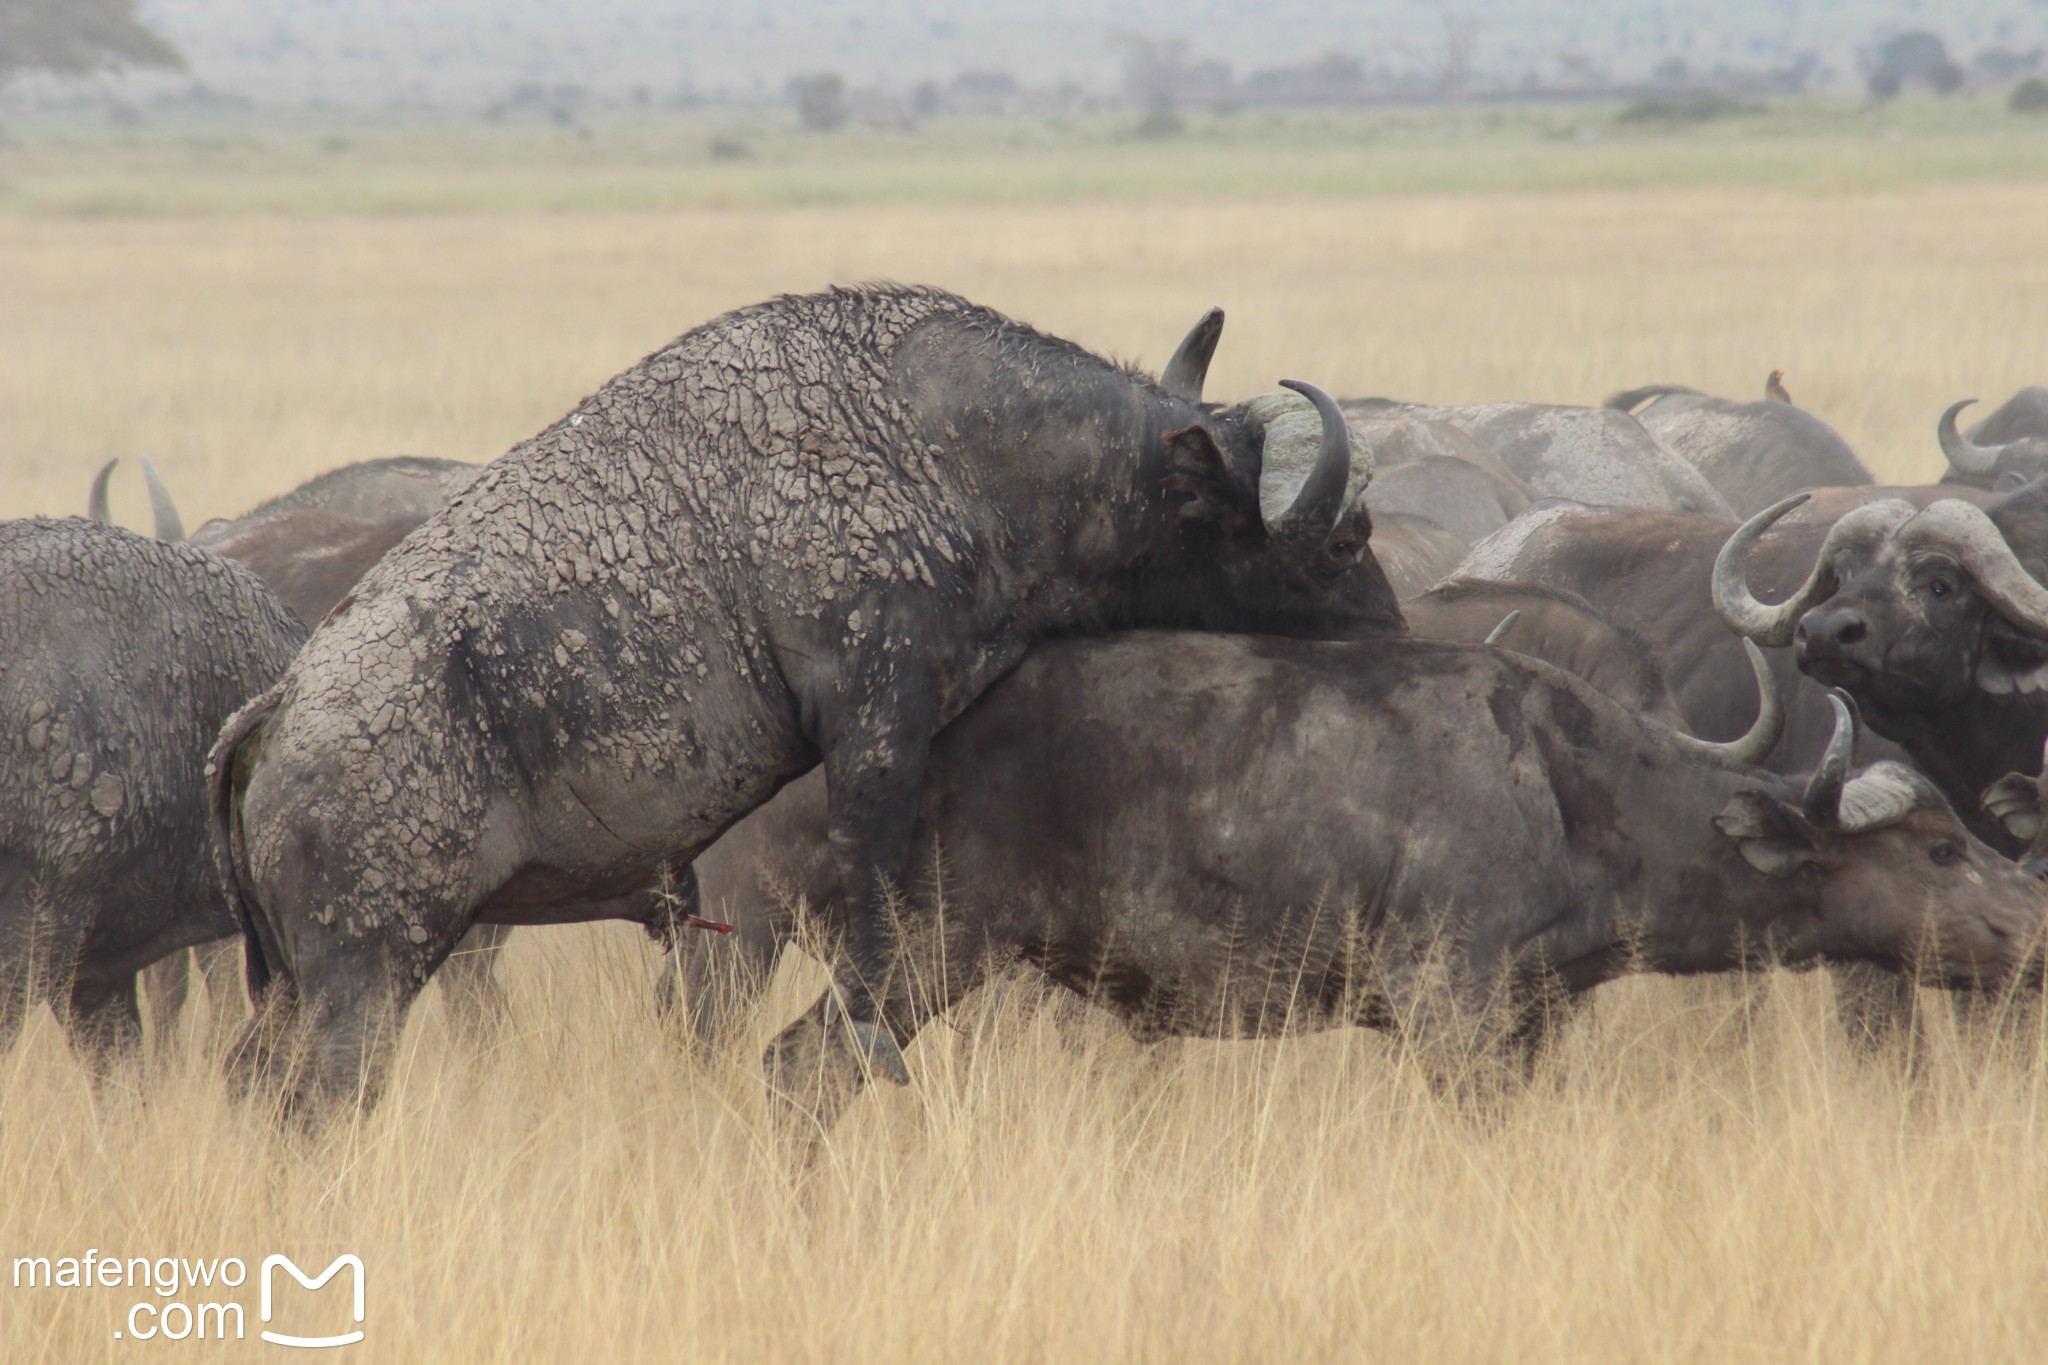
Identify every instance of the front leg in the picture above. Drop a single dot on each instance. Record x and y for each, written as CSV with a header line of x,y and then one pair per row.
x,y
875,743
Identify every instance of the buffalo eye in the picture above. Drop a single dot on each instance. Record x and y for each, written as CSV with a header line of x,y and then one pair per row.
x,y
1939,587
1945,854
1346,549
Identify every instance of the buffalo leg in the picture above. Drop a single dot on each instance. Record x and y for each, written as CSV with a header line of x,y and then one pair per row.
x,y
469,980
165,985
874,772
16,942
227,991
814,1068
103,1022
711,981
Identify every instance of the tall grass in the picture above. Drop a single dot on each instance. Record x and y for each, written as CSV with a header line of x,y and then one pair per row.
x,y
1692,1175
1686,1179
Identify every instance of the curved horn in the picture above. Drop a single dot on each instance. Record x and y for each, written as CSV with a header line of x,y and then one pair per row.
x,y
1822,803
1762,737
1965,454
1739,607
1507,623
1963,530
96,501
1321,499
169,525
1774,625
1189,367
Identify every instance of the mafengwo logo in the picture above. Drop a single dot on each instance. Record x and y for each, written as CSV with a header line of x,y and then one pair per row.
x,y
188,1299
349,1262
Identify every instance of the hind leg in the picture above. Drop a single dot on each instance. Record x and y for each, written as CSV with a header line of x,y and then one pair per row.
x,y
712,981
326,1029
815,1068
103,1022
227,992
469,981
166,985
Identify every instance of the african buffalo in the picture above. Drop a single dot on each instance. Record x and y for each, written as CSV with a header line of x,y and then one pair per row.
x,y
120,657
1231,836
813,529
1754,453
308,556
1929,618
753,877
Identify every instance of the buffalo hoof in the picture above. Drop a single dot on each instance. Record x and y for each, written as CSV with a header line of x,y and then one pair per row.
x,y
869,1040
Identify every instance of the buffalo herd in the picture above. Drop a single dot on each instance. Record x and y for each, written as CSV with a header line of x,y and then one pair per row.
x,y
876,620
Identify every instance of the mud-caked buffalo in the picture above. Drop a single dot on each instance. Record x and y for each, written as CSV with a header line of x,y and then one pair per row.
x,y
809,531
120,657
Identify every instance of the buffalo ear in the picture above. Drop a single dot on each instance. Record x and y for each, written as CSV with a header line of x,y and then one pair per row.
x,y
1765,833
1198,470
2014,801
2012,661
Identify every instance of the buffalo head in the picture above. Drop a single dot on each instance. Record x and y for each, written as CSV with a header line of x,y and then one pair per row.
x,y
1897,865
1911,611
1270,533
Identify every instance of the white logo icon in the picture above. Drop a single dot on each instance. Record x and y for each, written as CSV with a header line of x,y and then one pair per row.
x,y
352,1262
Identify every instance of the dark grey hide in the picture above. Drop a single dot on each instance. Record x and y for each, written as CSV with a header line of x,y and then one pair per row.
x,y
754,876
1652,574
811,530
310,555
120,657
1226,836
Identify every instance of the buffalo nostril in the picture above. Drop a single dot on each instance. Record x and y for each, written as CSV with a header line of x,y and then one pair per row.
x,y
1851,631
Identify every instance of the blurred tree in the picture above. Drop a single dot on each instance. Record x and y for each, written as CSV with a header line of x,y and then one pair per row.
x,y
77,38
1452,59
820,100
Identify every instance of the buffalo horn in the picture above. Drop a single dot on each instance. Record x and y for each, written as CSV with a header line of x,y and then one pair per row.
x,y
169,525
1822,803
96,501
1186,372
1321,499
1756,745
1962,452
1963,530
1774,625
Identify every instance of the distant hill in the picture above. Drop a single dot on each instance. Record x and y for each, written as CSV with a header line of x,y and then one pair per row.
x,y
469,52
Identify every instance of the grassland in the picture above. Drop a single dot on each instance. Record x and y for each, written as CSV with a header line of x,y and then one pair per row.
x,y
1687,1179
226,162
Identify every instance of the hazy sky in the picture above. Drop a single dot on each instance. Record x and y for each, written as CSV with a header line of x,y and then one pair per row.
x,y
470,51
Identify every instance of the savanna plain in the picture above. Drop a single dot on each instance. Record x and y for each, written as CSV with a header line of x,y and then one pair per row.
x,y
1697,1171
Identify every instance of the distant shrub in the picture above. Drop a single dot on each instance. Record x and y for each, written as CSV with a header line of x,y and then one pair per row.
x,y
2030,96
1702,107
820,100
1161,121
729,149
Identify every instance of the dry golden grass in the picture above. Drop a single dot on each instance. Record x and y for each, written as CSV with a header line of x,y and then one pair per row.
x,y
1676,1184
245,354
